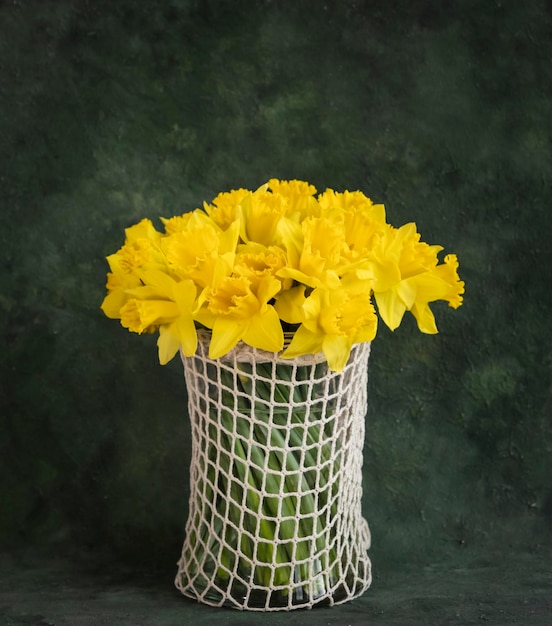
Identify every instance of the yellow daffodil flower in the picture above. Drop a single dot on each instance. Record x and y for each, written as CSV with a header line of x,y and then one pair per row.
x,y
225,208
334,320
238,309
321,257
363,221
298,196
202,252
117,285
256,261
407,277
167,304
140,250
261,212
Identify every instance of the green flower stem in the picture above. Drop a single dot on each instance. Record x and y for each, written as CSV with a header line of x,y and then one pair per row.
x,y
289,457
272,487
266,529
227,557
295,483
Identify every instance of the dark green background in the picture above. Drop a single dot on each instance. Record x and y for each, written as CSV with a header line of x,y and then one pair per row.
x,y
116,110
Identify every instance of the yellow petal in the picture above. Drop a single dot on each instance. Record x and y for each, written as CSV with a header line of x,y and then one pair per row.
x,y
290,237
143,230
205,317
337,349
265,331
368,332
160,281
299,277
427,287
113,303
304,342
185,293
391,308
425,319
267,288
168,344
289,305
407,291
225,335
186,332
384,274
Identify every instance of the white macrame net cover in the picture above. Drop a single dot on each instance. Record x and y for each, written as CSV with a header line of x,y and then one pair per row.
x,y
252,468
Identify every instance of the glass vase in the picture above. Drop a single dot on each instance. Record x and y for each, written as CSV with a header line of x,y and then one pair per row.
x,y
274,518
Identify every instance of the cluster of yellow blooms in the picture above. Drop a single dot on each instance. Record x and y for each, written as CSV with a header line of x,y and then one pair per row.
x,y
255,263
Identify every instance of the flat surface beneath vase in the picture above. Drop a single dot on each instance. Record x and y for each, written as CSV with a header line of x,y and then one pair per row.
x,y
483,589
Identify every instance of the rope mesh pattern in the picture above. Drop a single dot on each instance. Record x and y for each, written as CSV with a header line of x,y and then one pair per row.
x,y
275,501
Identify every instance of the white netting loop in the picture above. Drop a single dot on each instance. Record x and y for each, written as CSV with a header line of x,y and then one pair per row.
x,y
275,517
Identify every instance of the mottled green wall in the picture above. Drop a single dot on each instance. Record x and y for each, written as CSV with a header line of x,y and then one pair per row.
x,y
113,111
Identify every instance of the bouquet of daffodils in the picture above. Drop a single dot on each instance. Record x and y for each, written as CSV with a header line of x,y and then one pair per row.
x,y
253,266
282,270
